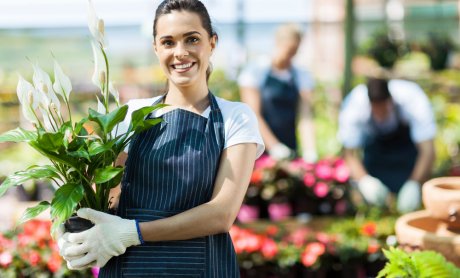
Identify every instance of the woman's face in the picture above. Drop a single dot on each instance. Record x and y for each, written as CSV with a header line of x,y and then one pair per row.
x,y
183,47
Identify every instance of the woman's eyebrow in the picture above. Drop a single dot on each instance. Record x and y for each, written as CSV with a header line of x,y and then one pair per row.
x,y
184,35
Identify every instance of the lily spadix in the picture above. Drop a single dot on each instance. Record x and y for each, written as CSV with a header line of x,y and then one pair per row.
x,y
42,83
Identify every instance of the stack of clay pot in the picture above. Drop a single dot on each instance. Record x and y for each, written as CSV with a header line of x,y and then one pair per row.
x,y
438,226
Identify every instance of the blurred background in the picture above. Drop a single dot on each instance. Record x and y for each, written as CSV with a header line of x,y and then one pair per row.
x,y
343,40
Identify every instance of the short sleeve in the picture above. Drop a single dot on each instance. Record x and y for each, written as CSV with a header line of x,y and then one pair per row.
x,y
251,76
416,109
241,126
353,116
305,80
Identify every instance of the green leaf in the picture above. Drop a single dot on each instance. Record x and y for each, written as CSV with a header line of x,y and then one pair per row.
x,y
66,200
18,135
51,142
138,116
33,172
80,153
106,174
147,124
108,121
97,147
33,212
64,159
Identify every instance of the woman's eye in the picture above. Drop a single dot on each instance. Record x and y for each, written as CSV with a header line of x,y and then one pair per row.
x,y
167,43
193,40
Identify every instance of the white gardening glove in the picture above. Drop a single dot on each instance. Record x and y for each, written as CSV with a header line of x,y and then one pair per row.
x,y
109,237
280,151
409,197
373,190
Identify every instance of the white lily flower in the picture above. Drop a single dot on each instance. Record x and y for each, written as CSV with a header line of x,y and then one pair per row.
x,y
47,119
114,92
96,25
99,67
25,92
62,84
42,82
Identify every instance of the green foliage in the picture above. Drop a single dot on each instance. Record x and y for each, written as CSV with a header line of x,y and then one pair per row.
x,y
425,264
438,46
222,86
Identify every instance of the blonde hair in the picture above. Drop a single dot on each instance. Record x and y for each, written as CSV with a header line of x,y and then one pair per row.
x,y
288,31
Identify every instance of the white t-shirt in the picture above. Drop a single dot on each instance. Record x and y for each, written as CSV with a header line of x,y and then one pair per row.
x,y
415,110
240,122
254,76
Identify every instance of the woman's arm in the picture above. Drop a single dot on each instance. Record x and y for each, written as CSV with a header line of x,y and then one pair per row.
x,y
217,215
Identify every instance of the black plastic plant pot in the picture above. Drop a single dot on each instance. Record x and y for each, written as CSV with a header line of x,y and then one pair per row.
x,y
76,224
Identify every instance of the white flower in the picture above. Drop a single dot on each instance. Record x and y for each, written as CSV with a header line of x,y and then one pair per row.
x,y
42,83
62,84
96,25
114,92
100,107
99,67
25,92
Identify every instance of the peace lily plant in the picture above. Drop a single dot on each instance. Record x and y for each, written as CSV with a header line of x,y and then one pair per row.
x,y
82,167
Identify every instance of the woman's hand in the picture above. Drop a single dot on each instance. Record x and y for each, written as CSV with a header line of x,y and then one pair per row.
x,y
109,237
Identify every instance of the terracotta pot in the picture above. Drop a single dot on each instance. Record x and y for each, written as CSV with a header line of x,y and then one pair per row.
x,y
441,197
76,224
420,231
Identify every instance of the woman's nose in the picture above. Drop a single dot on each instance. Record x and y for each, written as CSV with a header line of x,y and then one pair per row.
x,y
180,51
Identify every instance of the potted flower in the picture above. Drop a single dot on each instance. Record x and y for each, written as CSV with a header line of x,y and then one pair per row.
x,y
82,167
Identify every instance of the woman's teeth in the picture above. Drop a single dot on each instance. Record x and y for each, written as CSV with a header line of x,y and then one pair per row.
x,y
183,66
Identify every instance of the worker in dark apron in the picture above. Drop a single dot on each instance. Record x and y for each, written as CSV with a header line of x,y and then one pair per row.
x,y
280,96
396,140
185,178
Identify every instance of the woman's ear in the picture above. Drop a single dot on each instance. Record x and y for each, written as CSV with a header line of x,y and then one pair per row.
x,y
154,46
213,42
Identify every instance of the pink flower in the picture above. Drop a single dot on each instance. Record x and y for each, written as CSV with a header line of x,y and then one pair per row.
x,y
316,248
299,236
309,179
248,213
324,171
34,258
5,259
279,211
54,263
341,173
321,189
308,259
323,237
264,161
269,248
300,164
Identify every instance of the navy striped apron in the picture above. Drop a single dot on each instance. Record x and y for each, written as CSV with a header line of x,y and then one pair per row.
x,y
390,157
279,105
172,168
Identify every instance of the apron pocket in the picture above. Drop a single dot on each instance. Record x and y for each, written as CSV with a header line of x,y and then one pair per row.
x,y
179,258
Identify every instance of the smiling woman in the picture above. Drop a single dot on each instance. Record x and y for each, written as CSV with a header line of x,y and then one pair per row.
x,y
186,178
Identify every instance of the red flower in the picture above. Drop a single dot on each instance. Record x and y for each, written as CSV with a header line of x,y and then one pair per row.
x,y
34,258
54,262
321,189
257,176
269,248
373,247
272,230
369,229
309,179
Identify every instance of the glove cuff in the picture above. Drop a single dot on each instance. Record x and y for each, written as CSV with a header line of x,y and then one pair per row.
x,y
130,236
141,239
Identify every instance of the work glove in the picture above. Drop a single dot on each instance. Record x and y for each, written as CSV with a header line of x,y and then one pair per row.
x,y
63,244
409,197
373,190
280,151
109,237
